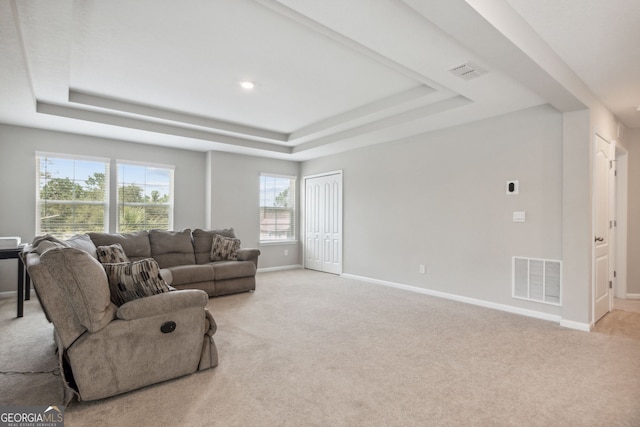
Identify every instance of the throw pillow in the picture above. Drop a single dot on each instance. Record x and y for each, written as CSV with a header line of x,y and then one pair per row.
x,y
111,254
203,240
224,248
133,280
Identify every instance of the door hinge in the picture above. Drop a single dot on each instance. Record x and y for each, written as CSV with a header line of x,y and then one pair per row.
x,y
610,224
610,284
610,164
614,273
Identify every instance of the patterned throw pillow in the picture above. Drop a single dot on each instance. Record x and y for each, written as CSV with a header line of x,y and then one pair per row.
x,y
133,280
224,248
111,254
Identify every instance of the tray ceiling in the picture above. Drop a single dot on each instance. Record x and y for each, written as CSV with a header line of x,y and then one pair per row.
x,y
329,76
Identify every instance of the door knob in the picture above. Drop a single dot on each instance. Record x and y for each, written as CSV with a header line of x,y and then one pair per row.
x,y
599,239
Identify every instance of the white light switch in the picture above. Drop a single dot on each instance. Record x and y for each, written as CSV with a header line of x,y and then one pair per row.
x,y
519,216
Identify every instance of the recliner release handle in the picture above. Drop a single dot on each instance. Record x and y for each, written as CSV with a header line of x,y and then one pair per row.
x,y
168,327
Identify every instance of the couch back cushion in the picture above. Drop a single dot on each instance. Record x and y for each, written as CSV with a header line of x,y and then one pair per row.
x,y
82,241
136,245
171,248
54,301
203,240
85,284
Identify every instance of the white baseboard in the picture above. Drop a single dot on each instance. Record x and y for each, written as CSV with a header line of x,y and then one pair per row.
x,y
633,296
580,326
482,303
13,294
8,294
280,268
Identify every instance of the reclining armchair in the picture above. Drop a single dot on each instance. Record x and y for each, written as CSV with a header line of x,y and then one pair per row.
x,y
105,350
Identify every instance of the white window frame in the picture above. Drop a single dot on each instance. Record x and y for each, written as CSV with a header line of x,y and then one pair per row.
x,y
74,157
294,210
170,203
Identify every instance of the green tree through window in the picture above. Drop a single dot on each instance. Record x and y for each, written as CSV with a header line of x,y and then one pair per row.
x,y
277,208
145,197
72,195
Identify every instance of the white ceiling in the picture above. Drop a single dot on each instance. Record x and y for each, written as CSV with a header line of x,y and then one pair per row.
x,y
599,40
330,76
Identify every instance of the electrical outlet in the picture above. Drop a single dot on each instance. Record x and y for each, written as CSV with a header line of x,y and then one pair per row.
x,y
286,252
421,269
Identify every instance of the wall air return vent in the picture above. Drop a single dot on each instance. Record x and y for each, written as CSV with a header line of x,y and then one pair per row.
x,y
468,71
537,280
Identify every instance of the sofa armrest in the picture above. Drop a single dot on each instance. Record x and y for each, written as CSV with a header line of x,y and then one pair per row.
x,y
162,304
247,254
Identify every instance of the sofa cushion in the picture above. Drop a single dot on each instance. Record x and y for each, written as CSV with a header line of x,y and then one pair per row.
x,y
46,238
233,269
135,245
203,240
187,274
172,248
46,245
224,248
133,280
85,283
80,241
111,254
83,242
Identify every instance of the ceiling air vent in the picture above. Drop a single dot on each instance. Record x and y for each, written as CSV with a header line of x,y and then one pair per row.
x,y
468,71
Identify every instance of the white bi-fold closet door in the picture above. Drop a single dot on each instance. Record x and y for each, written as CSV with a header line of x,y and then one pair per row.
x,y
323,222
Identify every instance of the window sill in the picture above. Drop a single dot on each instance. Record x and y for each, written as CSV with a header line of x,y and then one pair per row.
x,y
277,242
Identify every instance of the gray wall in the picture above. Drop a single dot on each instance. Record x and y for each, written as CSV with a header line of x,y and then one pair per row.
x,y
633,213
577,151
235,195
17,175
439,199
435,199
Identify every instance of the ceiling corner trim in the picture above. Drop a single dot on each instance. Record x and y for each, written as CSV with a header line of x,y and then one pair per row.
x,y
73,112
367,113
337,37
23,49
85,98
392,122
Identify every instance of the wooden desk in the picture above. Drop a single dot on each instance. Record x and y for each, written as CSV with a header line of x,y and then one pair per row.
x,y
24,284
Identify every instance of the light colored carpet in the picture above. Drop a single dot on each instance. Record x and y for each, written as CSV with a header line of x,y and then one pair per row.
x,y
27,346
627,304
620,323
311,349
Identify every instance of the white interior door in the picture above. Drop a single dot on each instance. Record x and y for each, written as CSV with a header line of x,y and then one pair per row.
x,y
323,218
332,224
313,239
603,181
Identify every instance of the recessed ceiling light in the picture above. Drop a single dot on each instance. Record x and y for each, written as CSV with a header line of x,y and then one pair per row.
x,y
247,85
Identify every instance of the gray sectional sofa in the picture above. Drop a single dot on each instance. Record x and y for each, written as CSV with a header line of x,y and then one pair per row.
x,y
103,349
184,258
108,347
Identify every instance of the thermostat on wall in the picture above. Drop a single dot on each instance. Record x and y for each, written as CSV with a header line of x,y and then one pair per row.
x,y
512,187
